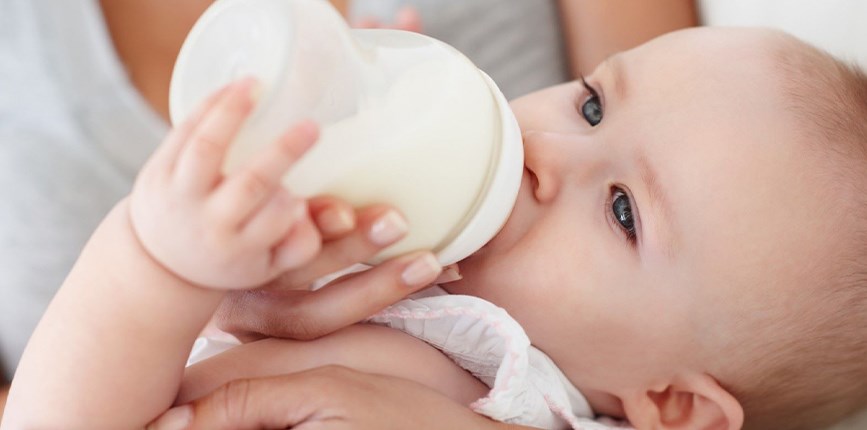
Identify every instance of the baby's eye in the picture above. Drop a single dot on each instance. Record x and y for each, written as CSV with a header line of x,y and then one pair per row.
x,y
591,109
621,208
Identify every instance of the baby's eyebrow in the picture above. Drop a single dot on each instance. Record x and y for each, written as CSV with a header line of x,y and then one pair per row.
x,y
660,204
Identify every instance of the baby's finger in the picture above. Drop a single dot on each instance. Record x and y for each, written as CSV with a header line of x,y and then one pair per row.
x,y
198,166
334,218
272,223
299,247
167,153
246,191
378,227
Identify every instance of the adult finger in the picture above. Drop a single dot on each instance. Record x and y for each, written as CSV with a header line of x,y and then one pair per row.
x,y
251,315
310,314
334,217
352,299
329,397
274,402
378,227
198,166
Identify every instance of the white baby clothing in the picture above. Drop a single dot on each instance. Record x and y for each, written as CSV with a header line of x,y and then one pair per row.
x,y
527,388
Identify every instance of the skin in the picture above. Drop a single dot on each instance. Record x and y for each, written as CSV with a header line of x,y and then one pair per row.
x,y
160,262
701,274
148,35
4,392
730,132
729,161
594,30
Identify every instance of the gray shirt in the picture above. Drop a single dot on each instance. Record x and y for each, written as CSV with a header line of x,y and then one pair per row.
x,y
73,130
519,43
73,133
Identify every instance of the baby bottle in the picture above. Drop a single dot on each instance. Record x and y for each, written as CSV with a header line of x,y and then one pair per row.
x,y
405,119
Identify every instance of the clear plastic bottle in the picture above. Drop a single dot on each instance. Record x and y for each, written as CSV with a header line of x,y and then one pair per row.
x,y
406,120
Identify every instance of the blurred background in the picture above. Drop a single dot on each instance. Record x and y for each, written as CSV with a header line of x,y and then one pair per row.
x,y
84,84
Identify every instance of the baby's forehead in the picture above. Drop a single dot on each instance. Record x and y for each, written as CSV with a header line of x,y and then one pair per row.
x,y
750,43
739,167
738,57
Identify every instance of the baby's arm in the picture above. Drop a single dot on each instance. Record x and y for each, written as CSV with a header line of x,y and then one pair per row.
x,y
111,348
367,348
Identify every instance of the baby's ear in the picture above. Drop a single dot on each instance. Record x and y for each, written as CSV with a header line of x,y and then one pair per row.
x,y
693,402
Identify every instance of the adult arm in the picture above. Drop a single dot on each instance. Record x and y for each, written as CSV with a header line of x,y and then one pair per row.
x,y
342,6
363,347
4,392
595,30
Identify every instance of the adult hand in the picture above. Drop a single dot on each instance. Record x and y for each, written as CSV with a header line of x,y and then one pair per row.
x,y
406,19
329,397
287,308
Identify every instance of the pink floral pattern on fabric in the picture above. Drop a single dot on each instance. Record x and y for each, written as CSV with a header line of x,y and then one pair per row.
x,y
526,386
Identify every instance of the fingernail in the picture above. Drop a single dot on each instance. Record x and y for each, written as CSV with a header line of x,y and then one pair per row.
x,y
177,418
449,274
388,229
335,221
422,271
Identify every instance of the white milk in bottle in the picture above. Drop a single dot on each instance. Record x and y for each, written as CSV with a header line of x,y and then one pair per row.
x,y
406,120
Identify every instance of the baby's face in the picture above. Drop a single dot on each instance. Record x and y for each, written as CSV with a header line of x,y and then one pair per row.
x,y
655,218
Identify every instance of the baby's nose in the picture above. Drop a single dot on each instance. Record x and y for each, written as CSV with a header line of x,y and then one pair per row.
x,y
542,160
554,157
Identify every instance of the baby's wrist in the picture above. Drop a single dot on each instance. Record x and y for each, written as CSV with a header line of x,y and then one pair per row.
x,y
114,271
153,258
148,257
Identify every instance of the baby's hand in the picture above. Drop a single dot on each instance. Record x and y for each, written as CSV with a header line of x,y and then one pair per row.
x,y
224,232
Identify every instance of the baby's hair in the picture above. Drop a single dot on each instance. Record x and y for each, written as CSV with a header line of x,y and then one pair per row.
x,y
817,374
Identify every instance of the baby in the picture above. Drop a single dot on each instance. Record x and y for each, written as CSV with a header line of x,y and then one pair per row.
x,y
687,247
